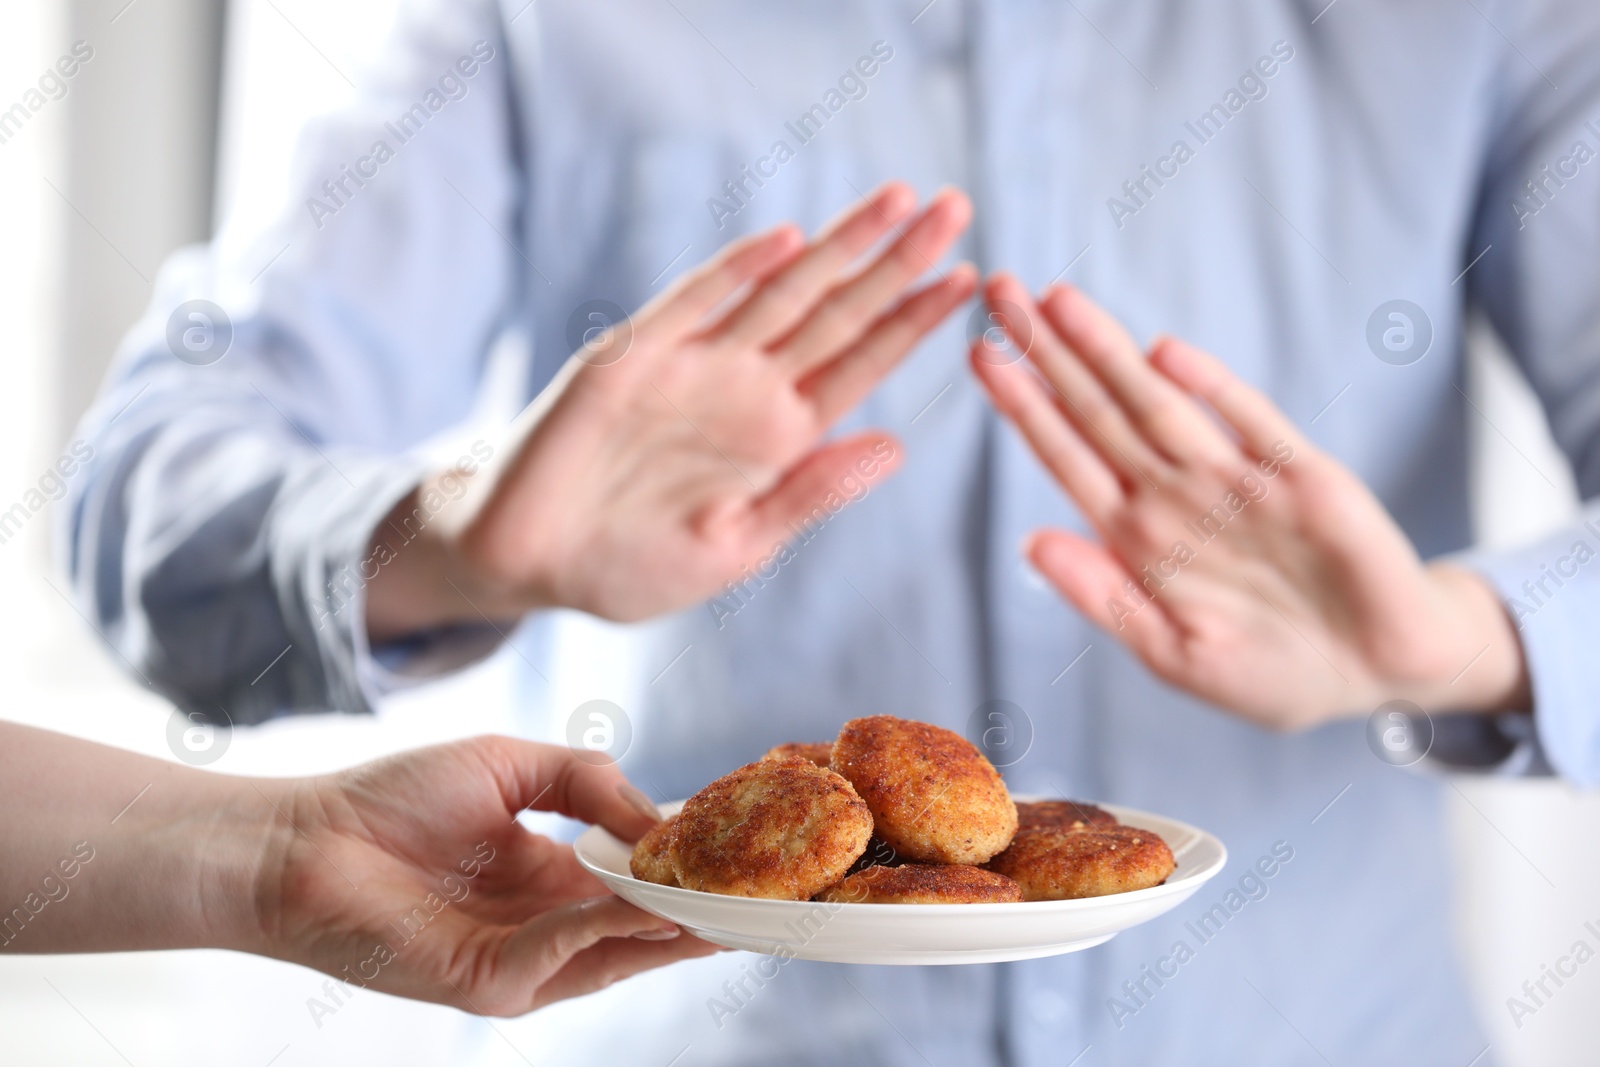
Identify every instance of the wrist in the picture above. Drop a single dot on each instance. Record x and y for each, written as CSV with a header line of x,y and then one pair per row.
x,y
405,595
1488,671
427,573
243,842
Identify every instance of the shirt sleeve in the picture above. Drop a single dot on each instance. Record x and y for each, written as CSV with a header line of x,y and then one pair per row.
x,y
261,418
1538,231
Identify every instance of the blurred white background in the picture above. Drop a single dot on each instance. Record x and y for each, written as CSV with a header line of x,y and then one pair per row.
x,y
94,191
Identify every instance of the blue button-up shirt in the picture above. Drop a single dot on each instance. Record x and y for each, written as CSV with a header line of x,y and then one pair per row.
x,y
1262,178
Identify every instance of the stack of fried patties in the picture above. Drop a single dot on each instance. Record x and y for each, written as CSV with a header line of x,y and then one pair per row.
x,y
892,812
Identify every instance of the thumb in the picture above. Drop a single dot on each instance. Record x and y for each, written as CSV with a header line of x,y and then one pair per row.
x,y
1096,583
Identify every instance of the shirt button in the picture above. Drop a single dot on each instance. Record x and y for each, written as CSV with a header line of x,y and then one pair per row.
x,y
1047,1006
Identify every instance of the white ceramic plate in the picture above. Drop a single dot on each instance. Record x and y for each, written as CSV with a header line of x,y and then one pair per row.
x,y
913,933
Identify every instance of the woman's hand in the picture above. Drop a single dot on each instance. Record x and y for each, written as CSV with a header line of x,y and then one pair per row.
x,y
677,449
1235,559
412,876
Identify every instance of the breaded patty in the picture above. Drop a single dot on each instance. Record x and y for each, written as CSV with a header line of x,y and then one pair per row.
x,y
933,796
652,858
878,854
777,828
1062,814
1054,864
924,883
817,752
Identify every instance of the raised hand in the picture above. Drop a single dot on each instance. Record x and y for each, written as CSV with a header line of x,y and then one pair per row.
x,y
1237,560
412,876
645,484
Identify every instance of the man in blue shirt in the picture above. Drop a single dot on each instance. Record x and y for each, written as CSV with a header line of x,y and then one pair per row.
x,y
1315,193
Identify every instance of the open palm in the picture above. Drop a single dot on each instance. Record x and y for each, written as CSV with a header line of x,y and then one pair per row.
x,y
677,448
1236,559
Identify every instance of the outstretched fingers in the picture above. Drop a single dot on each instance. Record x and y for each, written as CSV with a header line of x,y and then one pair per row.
x,y
838,386
783,300
1025,401
1165,415
1099,419
855,302
688,300
1261,426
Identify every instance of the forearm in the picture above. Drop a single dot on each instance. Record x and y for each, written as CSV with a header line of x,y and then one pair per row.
x,y
108,850
221,554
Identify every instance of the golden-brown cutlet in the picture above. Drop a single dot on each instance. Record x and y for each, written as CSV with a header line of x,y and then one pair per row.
x,y
1064,814
933,795
1050,863
777,828
652,856
924,883
818,752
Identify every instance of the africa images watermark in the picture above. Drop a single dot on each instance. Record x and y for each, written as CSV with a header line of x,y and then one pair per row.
x,y
1540,191
1536,992
52,485
1252,887
1206,528
343,587
738,594
452,87
737,993
53,889
1565,568
52,85
453,889
852,86
1251,86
